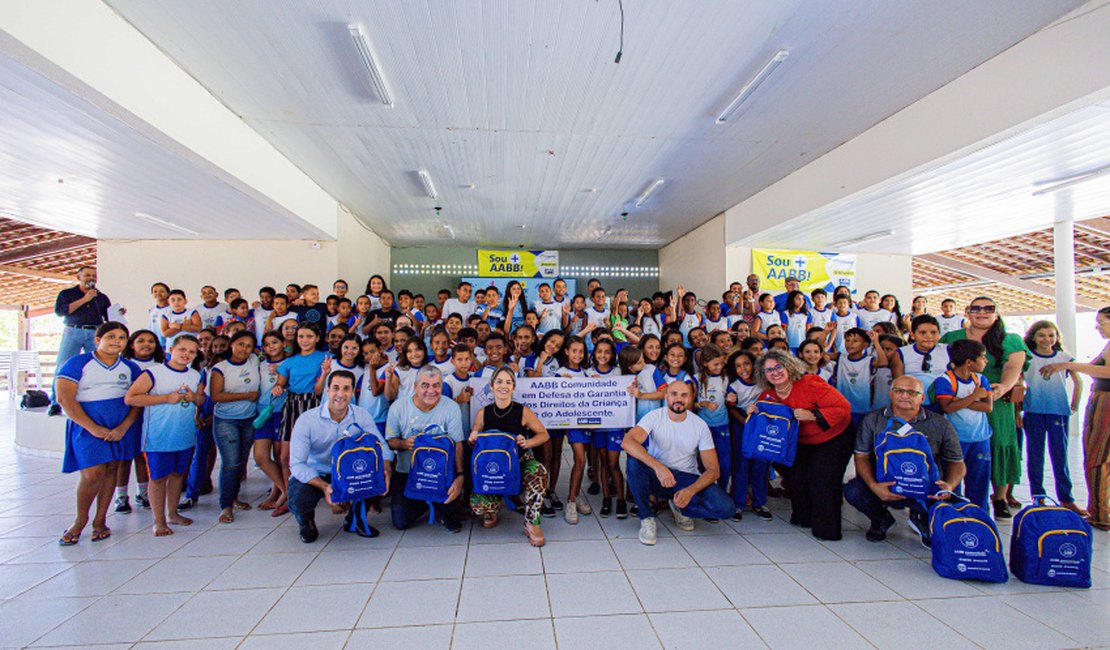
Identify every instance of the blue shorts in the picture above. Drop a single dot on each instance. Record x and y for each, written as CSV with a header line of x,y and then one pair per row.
x,y
580,436
163,463
600,438
271,430
557,433
614,440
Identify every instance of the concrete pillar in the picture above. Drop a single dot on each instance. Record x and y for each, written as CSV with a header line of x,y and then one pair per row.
x,y
1063,247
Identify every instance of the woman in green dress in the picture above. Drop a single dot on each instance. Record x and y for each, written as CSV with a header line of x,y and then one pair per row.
x,y
1007,358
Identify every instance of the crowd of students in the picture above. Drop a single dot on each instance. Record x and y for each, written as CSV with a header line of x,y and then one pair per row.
x,y
252,378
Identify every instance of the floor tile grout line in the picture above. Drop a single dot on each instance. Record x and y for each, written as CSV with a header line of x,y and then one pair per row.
x,y
944,623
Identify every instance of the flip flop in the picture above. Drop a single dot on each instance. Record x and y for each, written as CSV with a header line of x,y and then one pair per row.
x,y
68,539
280,510
101,535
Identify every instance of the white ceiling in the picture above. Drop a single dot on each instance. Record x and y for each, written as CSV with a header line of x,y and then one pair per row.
x,y
67,165
523,100
983,196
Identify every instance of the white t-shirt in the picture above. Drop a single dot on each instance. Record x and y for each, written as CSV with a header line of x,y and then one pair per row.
x,y
453,306
676,444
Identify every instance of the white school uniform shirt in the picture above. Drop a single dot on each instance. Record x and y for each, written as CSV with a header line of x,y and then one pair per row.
x,y
208,315
445,367
951,323
259,316
1047,396
170,427
828,371
172,316
843,324
278,320
650,325
719,325
596,317
733,319
767,319
820,317
358,371
853,380
551,317
746,394
453,386
453,306
238,378
796,325
880,388
687,322
913,364
714,389
406,379
154,321
868,318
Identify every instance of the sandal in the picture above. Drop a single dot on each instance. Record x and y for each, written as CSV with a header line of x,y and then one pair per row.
x,y
280,510
69,539
241,505
101,535
226,517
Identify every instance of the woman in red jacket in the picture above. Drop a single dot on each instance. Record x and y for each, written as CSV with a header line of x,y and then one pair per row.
x,y
825,441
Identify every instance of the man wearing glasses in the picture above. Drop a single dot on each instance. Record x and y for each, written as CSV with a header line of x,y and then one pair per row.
x,y
873,498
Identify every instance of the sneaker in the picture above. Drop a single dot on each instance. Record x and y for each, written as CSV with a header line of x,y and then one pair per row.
x,y
878,529
556,504
452,525
1002,510
583,505
546,510
622,510
571,513
187,504
207,488
647,531
123,506
309,532
606,507
142,501
919,523
738,516
712,520
681,520
633,509
54,410
594,489
763,513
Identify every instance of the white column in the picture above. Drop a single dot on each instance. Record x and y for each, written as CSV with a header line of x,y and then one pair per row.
x,y
1063,247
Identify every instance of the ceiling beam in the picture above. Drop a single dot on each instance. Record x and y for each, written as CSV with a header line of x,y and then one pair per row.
x,y
1099,226
48,276
52,247
1001,278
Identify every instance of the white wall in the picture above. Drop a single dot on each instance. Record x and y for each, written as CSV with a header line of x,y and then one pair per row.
x,y
696,260
883,273
361,252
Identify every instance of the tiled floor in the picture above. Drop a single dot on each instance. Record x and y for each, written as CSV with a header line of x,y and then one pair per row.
x,y
254,584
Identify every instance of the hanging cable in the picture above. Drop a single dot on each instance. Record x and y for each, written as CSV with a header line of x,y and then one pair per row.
x,y
620,51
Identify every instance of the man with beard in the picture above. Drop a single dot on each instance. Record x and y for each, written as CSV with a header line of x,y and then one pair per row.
x,y
668,468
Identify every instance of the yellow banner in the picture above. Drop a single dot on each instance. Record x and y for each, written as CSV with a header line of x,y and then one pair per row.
x,y
825,270
518,264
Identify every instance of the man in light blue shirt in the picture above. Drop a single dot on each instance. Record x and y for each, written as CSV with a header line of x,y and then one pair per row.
x,y
408,417
314,433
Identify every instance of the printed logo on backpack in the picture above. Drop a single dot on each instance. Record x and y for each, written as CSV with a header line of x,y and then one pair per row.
x,y
357,468
495,464
1051,545
771,433
903,456
433,468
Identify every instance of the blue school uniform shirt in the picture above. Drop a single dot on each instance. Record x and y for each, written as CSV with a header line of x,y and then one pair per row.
x,y
970,425
100,388
1047,396
267,379
767,319
238,378
171,427
843,324
853,380
377,405
663,377
796,325
914,363
868,317
302,371
713,389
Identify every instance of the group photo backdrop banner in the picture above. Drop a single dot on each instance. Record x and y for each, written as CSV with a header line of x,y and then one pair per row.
x,y
813,270
568,402
531,286
518,264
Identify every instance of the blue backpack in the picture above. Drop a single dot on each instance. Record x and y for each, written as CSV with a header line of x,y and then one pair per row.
x,y
495,464
903,455
771,433
357,467
433,468
1051,545
966,545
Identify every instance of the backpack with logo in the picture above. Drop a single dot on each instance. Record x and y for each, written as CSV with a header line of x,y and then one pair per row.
x,y
357,466
771,433
495,464
34,399
965,543
903,455
1051,545
433,468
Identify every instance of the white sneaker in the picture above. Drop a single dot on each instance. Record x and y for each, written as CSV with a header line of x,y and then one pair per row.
x,y
647,531
583,505
681,520
570,513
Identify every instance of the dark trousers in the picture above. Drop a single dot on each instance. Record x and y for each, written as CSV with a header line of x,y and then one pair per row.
x,y
303,499
817,484
198,469
747,472
406,512
711,503
863,499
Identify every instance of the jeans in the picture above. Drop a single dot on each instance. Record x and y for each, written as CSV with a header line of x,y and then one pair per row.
x,y
234,439
711,503
976,485
303,499
863,499
747,472
723,442
1054,428
406,512
198,471
74,342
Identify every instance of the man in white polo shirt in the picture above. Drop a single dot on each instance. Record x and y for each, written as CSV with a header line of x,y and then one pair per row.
x,y
677,440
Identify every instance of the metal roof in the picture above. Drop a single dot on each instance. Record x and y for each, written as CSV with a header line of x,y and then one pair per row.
x,y
35,263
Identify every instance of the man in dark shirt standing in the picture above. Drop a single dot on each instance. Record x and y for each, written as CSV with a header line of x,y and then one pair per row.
x,y
82,308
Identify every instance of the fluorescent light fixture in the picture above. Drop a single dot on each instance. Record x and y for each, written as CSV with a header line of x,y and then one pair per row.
x,y
753,85
429,188
165,224
1070,180
376,78
648,191
882,234
449,229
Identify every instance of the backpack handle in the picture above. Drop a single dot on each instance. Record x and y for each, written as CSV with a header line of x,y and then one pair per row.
x,y
953,496
1041,499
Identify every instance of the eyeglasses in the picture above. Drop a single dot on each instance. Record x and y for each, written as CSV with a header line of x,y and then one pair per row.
x,y
983,309
772,370
927,362
907,392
